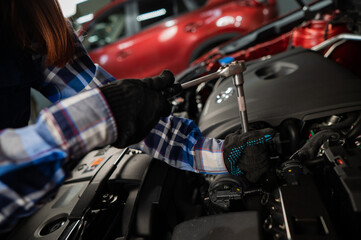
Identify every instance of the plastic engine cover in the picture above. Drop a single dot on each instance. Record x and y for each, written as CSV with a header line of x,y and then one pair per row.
x,y
295,84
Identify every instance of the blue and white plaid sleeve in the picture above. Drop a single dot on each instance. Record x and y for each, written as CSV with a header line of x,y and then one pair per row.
x,y
76,76
179,143
31,158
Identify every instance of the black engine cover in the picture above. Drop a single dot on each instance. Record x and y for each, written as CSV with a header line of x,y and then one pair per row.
x,y
298,84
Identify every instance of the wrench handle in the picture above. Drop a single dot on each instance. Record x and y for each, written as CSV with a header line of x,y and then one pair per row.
x,y
200,80
178,88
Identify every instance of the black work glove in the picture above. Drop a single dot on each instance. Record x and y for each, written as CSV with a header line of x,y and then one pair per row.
x,y
247,153
137,105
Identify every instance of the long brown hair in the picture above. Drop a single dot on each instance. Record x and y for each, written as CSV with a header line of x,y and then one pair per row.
x,y
41,21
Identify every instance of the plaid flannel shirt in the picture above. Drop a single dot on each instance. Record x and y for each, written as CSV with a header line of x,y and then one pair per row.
x,y
179,142
32,158
80,75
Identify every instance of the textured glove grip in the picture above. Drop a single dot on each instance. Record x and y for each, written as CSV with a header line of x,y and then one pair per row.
x,y
247,153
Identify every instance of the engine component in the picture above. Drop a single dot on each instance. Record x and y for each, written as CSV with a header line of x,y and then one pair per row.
x,y
355,129
91,190
291,170
298,84
347,166
230,226
274,223
345,36
310,149
224,189
304,213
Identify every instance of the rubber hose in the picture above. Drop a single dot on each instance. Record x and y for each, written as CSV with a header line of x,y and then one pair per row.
x,y
310,149
355,129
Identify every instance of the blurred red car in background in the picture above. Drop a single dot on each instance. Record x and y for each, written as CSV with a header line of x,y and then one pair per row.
x,y
278,36
140,38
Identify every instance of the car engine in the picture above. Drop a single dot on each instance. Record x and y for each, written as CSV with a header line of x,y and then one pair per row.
x,y
311,96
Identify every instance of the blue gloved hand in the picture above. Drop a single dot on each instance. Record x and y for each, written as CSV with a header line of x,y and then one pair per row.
x,y
247,153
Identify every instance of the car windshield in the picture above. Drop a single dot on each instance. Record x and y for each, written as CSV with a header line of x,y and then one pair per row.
x,y
106,30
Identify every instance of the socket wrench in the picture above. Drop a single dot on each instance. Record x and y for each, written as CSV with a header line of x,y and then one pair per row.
x,y
234,69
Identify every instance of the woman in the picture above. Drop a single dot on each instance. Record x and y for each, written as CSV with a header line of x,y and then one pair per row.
x,y
40,50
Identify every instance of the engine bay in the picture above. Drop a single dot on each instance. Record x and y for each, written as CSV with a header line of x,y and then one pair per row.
x,y
312,189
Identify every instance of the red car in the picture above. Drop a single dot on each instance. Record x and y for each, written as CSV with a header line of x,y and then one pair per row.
x,y
140,38
277,36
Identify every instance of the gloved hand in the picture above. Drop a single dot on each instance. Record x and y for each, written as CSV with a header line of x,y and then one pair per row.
x,y
247,153
137,105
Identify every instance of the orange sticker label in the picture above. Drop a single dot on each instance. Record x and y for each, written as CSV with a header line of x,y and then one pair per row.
x,y
96,162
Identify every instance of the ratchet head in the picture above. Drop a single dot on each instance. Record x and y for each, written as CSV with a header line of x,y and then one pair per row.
x,y
235,68
231,69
